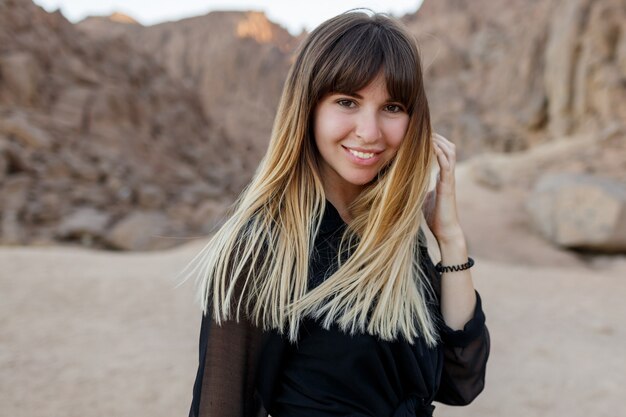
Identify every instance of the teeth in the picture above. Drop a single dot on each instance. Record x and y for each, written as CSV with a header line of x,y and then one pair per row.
x,y
363,155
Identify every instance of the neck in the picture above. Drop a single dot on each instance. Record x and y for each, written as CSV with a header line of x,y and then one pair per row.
x,y
341,197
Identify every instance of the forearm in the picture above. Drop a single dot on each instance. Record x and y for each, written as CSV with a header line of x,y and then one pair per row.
x,y
458,298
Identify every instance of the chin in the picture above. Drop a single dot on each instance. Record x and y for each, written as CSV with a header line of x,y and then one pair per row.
x,y
360,180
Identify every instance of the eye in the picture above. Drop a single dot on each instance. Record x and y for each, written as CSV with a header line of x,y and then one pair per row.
x,y
394,108
344,102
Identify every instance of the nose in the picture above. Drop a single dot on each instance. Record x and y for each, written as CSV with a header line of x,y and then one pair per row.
x,y
368,127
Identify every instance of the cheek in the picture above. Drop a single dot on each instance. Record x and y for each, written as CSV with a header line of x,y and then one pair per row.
x,y
395,131
330,127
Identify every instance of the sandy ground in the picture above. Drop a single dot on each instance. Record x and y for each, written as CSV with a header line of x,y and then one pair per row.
x,y
88,333
102,334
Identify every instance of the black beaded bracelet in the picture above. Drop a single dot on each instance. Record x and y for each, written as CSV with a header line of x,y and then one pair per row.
x,y
452,268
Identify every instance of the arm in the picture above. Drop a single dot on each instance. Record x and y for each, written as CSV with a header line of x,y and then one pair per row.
x,y
465,347
228,363
458,298
227,367
464,335
465,360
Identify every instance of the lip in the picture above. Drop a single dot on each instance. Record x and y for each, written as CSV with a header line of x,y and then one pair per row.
x,y
362,161
356,148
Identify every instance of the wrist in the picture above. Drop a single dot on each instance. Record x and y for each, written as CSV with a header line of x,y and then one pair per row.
x,y
453,238
453,268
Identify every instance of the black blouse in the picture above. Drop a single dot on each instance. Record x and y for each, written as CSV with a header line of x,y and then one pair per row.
x,y
330,373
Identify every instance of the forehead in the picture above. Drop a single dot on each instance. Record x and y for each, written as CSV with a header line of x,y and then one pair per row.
x,y
377,85
376,88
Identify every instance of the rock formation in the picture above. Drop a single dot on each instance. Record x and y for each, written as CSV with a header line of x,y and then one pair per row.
x,y
94,131
235,61
505,76
107,124
580,211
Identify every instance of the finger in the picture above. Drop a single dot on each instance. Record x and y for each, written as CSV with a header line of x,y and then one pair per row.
x,y
443,142
449,146
444,164
449,151
441,138
445,151
446,169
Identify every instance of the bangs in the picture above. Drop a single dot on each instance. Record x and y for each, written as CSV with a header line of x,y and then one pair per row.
x,y
356,58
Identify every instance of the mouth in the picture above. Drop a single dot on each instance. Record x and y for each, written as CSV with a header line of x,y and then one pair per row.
x,y
363,157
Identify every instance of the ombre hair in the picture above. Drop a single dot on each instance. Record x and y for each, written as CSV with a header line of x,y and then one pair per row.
x,y
257,263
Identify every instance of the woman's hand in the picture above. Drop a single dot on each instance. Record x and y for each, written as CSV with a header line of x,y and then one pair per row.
x,y
440,209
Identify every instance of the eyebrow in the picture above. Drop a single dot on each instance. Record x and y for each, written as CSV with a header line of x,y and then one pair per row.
x,y
357,95
360,97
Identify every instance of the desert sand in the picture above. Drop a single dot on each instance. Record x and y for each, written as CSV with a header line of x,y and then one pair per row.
x,y
99,333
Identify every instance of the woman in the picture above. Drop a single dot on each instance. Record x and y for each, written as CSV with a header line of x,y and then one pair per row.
x,y
319,294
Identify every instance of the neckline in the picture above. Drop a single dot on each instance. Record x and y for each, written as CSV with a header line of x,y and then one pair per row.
x,y
331,220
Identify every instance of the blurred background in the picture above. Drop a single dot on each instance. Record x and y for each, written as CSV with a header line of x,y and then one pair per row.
x,y
128,130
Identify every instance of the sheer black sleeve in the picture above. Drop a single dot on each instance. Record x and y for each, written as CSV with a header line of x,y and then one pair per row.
x,y
465,360
227,365
465,351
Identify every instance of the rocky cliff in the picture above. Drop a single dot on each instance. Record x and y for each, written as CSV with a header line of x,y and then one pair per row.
x,y
508,75
109,129
98,143
500,76
236,62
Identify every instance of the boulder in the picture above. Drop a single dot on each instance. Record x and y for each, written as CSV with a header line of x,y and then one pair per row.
x,y
85,223
602,154
139,230
209,215
580,211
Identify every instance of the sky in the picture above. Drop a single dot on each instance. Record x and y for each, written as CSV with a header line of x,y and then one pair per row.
x,y
291,14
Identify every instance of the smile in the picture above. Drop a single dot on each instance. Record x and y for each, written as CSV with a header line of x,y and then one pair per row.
x,y
363,155
362,158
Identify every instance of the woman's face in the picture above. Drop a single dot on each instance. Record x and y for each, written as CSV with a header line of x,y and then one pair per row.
x,y
357,135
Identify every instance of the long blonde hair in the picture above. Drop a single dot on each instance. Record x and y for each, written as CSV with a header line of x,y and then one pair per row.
x,y
258,260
